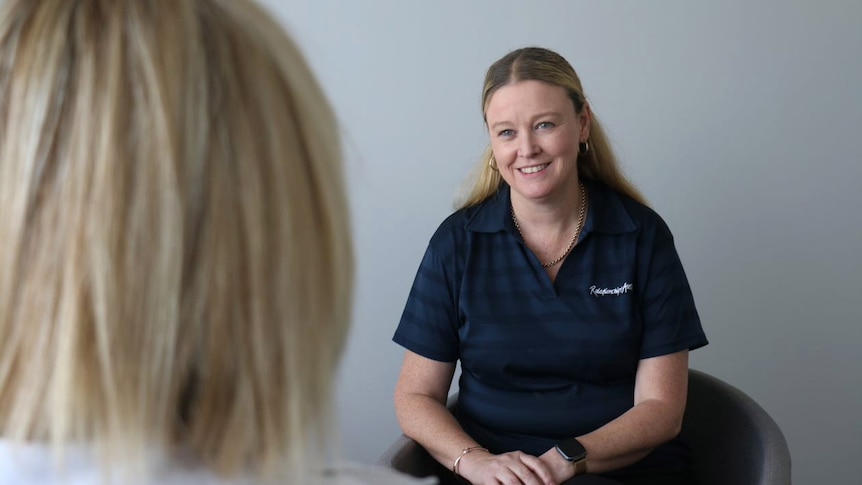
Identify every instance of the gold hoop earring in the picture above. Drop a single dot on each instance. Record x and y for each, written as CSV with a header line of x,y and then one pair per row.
x,y
492,162
583,148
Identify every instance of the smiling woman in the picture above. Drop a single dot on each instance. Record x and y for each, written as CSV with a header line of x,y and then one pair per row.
x,y
532,126
595,159
563,298
535,133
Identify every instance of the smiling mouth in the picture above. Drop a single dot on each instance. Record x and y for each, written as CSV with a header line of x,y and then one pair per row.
x,y
534,168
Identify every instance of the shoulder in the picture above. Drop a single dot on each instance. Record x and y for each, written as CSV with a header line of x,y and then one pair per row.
x,y
454,227
619,213
367,475
461,226
33,464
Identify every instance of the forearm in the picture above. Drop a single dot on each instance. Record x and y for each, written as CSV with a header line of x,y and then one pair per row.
x,y
630,437
420,405
660,389
623,441
427,421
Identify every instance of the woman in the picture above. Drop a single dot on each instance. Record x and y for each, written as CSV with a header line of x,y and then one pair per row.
x,y
562,296
176,257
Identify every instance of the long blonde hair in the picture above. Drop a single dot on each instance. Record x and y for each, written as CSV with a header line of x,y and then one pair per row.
x,y
175,257
538,64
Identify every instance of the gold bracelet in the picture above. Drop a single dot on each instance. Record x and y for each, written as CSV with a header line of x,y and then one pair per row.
x,y
469,449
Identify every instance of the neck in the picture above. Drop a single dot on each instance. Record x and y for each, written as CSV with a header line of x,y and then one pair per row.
x,y
557,214
543,241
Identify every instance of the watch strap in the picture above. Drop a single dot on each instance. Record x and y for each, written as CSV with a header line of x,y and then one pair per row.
x,y
574,452
580,466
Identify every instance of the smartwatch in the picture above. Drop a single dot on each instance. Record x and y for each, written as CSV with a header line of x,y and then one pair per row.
x,y
573,452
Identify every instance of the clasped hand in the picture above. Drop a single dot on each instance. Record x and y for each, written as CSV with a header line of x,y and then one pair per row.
x,y
513,468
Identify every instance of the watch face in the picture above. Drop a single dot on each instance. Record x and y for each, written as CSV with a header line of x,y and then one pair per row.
x,y
572,450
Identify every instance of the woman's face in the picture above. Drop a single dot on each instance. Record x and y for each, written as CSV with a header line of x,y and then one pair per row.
x,y
535,133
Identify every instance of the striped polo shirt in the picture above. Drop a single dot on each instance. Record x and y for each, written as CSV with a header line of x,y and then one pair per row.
x,y
542,361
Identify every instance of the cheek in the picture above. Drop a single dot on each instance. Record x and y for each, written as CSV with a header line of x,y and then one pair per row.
x,y
564,144
502,150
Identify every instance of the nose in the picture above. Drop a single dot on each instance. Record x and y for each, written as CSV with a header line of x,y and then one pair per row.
x,y
527,147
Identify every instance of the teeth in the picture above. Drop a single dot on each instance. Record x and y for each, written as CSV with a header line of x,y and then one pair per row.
x,y
535,169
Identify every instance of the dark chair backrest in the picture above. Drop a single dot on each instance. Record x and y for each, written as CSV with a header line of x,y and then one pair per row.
x,y
733,440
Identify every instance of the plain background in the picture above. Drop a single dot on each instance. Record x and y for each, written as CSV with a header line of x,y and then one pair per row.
x,y
741,121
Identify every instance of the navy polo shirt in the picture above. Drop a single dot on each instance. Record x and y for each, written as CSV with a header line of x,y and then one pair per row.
x,y
542,361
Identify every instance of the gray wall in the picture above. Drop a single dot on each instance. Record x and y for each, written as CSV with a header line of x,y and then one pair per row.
x,y
741,121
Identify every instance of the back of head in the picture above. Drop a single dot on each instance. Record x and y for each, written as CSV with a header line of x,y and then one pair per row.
x,y
539,64
175,245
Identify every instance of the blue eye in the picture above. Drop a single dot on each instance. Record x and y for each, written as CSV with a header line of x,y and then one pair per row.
x,y
506,133
544,125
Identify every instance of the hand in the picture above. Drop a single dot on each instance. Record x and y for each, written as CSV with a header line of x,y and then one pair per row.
x,y
513,468
561,470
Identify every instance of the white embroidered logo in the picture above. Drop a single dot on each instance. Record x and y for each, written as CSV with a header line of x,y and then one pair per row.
x,y
620,290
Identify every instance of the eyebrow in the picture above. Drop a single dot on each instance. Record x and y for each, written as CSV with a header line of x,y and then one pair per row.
x,y
538,116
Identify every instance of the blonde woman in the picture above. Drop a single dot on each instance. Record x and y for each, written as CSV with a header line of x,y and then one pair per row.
x,y
175,258
561,294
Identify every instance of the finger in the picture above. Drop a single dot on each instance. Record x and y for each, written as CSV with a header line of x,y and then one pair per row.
x,y
521,473
538,468
498,470
508,469
512,477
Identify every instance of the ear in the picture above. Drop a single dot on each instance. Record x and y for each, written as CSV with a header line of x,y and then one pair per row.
x,y
585,118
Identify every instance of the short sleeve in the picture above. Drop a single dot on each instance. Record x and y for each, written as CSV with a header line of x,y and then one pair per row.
x,y
670,318
430,322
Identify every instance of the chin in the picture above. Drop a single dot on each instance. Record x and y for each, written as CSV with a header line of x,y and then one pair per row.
x,y
536,195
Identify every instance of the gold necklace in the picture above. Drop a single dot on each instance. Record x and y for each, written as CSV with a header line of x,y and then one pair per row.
x,y
571,245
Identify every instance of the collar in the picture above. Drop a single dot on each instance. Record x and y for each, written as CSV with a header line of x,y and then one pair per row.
x,y
606,213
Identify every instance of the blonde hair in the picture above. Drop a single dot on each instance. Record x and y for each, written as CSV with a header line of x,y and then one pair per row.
x,y
538,64
176,259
